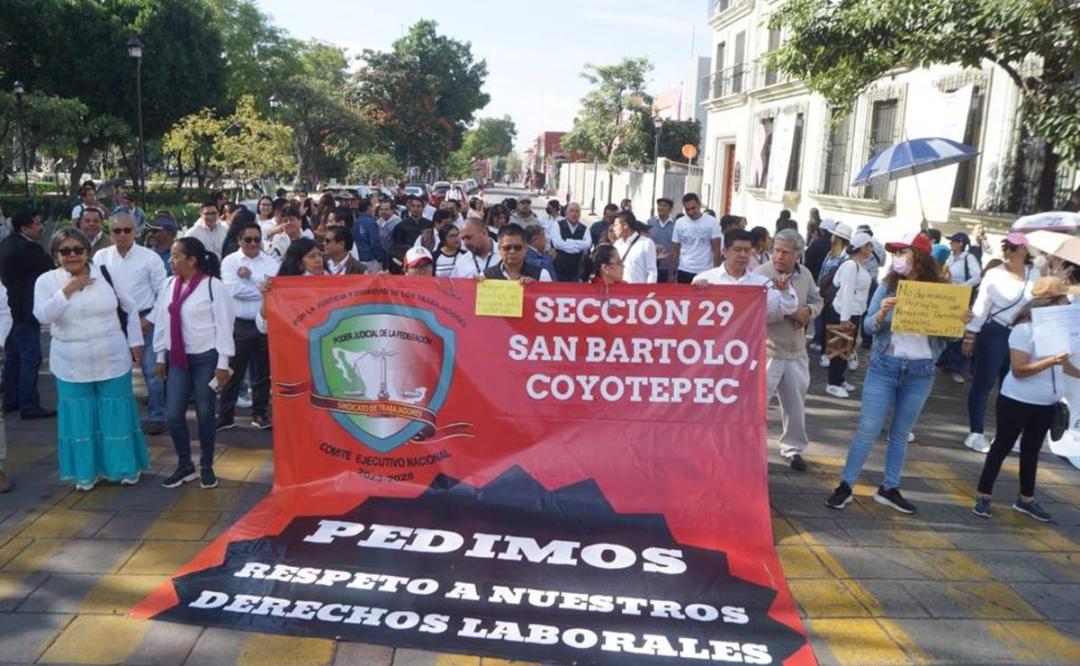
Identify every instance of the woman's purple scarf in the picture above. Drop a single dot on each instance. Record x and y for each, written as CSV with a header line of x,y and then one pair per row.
x,y
177,350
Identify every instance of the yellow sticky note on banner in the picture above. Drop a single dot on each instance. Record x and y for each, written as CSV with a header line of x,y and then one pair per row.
x,y
931,308
499,298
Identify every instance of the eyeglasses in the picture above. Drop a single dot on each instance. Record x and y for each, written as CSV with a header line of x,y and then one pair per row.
x,y
120,231
68,251
517,247
252,240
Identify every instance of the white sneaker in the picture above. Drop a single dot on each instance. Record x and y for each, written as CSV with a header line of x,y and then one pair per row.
x,y
848,386
910,437
837,391
958,378
815,347
977,442
243,401
853,361
824,362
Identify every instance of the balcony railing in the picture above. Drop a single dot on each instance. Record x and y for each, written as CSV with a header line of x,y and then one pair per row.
x,y
721,6
743,78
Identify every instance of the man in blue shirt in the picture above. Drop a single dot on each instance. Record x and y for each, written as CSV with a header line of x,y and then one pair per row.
x,y
536,249
660,229
365,233
163,233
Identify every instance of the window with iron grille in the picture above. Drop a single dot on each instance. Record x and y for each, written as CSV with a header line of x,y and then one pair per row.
x,y
771,75
766,151
795,165
738,69
836,157
882,135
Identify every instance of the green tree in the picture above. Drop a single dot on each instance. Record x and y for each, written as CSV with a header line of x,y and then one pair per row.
x,y
674,134
840,48
250,146
374,166
39,122
611,125
191,141
258,55
491,137
420,96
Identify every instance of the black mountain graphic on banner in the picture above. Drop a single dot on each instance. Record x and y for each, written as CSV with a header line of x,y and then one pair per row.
x,y
581,611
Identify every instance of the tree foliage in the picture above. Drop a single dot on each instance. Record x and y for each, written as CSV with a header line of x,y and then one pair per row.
x,y
252,146
420,96
674,134
491,137
612,125
374,167
840,48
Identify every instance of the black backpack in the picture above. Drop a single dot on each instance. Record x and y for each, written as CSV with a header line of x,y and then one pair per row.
x,y
827,286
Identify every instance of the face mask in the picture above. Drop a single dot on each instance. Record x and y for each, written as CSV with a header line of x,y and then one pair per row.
x,y
902,265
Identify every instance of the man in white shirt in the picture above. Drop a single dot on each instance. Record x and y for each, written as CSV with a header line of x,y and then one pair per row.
x,y
485,255
637,251
243,272
293,230
782,300
87,199
696,242
138,273
571,240
209,229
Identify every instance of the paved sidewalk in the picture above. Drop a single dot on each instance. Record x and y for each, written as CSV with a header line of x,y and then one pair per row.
x,y
874,587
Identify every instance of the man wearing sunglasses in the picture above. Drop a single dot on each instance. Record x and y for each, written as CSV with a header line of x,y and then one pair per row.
x,y
511,245
243,273
137,272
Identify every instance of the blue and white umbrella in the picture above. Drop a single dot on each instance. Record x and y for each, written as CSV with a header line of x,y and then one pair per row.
x,y
911,157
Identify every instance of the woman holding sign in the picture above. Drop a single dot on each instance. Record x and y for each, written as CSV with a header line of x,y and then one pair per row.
x,y
1026,404
898,379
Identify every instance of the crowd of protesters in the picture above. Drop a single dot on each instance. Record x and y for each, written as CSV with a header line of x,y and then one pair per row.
x,y
188,308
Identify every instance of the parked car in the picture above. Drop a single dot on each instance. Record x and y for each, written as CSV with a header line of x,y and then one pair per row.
x,y
418,189
471,186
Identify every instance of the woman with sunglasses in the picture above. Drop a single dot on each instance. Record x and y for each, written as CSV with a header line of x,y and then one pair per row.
x,y
898,379
1003,293
604,266
95,339
193,340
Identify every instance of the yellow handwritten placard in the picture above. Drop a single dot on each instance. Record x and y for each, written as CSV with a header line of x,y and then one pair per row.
x,y
931,308
499,298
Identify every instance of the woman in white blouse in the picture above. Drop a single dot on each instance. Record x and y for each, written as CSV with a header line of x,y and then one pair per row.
x,y
193,340
91,357
852,282
1003,293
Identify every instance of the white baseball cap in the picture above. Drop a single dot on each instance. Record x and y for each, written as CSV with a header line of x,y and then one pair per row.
x,y
416,256
828,224
842,230
860,239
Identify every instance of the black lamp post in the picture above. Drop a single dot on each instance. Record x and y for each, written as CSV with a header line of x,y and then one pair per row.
x,y
135,51
659,123
275,104
19,90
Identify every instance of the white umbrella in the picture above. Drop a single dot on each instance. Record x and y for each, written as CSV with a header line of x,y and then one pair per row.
x,y
1058,244
1052,221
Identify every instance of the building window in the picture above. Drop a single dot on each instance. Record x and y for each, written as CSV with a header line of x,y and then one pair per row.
x,y
836,156
740,57
766,132
795,165
771,75
882,135
966,172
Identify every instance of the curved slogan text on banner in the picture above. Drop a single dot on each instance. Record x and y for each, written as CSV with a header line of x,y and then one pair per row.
x,y
583,484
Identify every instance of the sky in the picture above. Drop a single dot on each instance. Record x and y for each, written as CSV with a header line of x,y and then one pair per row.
x,y
535,51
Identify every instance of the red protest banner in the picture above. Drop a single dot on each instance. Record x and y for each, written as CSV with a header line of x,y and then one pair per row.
x,y
585,484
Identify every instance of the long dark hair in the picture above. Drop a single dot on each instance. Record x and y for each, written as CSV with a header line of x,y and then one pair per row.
x,y
293,261
205,260
601,255
924,268
240,220
444,231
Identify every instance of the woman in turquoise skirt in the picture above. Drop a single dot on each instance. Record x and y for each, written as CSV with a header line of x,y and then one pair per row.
x,y
95,337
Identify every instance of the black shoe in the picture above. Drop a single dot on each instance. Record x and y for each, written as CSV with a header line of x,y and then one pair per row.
x,y
892,498
181,476
38,414
841,497
207,478
261,422
224,423
154,428
797,463
10,408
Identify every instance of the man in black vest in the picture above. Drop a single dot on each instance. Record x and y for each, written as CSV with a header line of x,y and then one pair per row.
x,y
512,252
22,260
571,241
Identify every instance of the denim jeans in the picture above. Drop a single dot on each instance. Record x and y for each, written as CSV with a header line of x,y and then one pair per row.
x,y
896,385
154,386
991,365
952,359
22,361
180,384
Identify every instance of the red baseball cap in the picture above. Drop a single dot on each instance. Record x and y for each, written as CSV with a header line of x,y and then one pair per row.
x,y
913,240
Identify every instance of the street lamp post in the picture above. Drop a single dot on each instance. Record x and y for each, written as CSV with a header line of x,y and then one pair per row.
x,y
135,51
595,171
19,90
275,103
659,123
